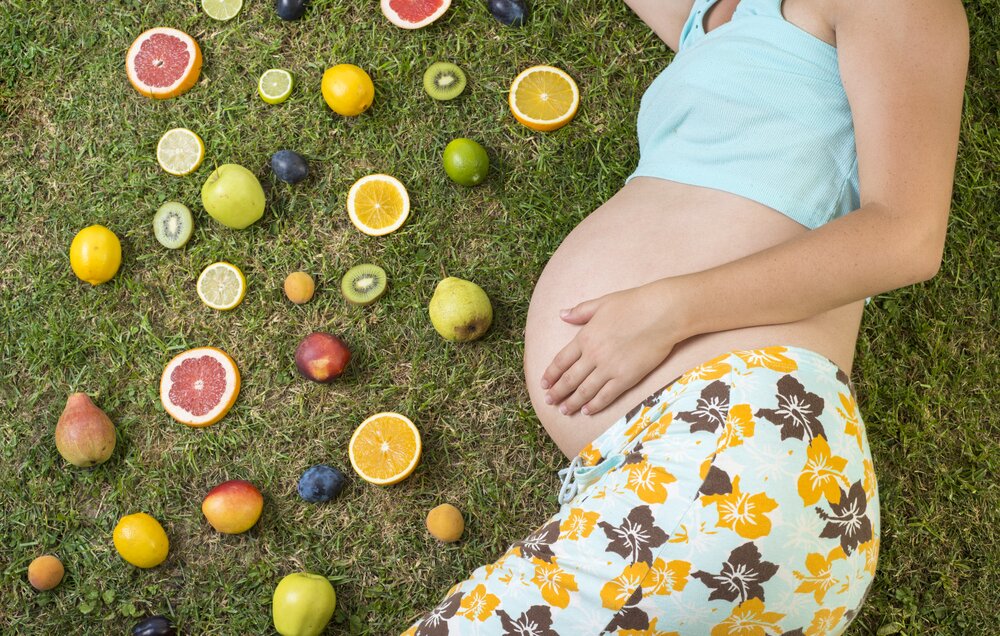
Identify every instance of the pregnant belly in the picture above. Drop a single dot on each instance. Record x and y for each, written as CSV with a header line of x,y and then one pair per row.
x,y
649,230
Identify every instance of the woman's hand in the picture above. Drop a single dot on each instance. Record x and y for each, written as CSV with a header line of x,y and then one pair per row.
x,y
624,336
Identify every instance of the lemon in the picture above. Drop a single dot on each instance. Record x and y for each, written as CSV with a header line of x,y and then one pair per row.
x,y
275,85
141,540
221,9
180,151
347,89
95,254
378,204
222,286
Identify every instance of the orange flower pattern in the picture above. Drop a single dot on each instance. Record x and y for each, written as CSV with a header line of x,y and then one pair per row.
x,y
743,494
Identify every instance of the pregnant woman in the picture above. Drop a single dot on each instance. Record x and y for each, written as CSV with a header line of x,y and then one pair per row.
x,y
689,345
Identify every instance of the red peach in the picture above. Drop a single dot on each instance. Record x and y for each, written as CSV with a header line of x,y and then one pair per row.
x,y
321,357
233,507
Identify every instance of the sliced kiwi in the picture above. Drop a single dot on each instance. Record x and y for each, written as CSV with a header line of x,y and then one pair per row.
x,y
363,284
444,81
173,224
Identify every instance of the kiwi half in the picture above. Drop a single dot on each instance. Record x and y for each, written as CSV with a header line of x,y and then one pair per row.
x,y
363,284
173,224
444,81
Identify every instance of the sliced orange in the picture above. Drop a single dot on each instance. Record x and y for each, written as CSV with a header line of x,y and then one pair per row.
x,y
163,63
199,386
544,98
385,449
378,204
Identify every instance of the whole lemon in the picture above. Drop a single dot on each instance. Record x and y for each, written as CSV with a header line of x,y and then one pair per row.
x,y
95,254
299,287
445,523
347,89
141,540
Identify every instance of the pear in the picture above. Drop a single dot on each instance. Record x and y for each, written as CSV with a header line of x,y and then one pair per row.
x,y
460,310
85,435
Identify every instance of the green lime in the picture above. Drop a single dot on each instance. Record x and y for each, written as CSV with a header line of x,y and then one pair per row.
x,y
466,162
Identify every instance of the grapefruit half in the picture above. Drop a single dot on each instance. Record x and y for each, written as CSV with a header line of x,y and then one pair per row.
x,y
199,386
414,14
163,63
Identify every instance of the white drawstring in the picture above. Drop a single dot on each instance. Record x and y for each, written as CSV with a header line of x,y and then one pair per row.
x,y
568,475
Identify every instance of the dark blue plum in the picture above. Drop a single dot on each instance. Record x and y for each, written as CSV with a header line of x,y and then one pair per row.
x,y
289,166
290,9
321,483
154,626
510,12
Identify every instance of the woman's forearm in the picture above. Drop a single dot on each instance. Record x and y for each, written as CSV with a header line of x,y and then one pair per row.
x,y
870,251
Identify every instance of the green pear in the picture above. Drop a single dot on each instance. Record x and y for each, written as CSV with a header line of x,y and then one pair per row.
x,y
232,196
460,310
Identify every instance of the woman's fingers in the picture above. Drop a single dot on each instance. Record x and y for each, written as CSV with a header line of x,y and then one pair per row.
x,y
587,390
563,361
608,393
569,381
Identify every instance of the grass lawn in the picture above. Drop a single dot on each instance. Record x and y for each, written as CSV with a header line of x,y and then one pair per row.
x,y
77,147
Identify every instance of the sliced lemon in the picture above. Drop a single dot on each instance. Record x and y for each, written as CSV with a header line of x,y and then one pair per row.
x,y
378,204
544,98
385,448
180,151
275,85
221,9
222,286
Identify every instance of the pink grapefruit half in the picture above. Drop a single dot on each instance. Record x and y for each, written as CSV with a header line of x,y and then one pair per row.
x,y
163,63
199,386
414,14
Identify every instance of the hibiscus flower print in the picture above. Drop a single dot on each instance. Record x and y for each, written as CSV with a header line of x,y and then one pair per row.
x,y
617,593
848,411
739,426
769,357
819,579
798,411
750,618
741,576
539,543
743,513
591,456
849,521
822,475
666,577
650,631
635,537
436,623
711,410
554,583
825,622
711,370
629,616
647,481
716,482
658,428
478,605
578,524
537,621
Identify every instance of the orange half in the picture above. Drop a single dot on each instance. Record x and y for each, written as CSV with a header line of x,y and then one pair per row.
x,y
378,204
199,386
544,98
385,449
163,63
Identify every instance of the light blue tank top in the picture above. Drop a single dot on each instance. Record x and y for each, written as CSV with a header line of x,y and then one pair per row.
x,y
755,107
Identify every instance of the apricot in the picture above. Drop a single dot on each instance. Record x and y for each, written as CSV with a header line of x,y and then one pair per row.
x,y
45,572
445,523
299,287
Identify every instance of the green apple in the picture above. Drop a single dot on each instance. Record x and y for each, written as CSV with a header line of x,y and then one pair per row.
x,y
233,196
303,604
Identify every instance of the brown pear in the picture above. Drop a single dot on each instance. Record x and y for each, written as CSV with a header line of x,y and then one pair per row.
x,y
85,435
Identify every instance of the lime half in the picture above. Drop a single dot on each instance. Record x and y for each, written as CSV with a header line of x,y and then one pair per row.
x,y
180,151
221,9
275,85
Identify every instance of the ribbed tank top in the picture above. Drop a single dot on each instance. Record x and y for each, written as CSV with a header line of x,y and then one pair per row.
x,y
755,107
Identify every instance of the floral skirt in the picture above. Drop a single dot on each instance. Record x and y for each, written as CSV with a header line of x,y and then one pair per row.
x,y
739,500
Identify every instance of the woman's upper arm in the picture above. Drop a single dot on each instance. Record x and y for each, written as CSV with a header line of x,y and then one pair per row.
x,y
665,17
903,64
